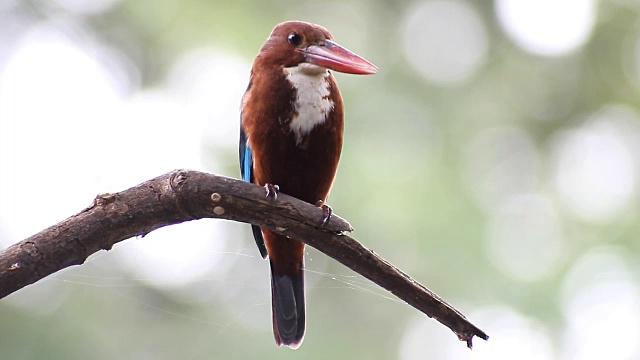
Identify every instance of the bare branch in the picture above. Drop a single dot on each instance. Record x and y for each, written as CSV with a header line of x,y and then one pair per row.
x,y
184,195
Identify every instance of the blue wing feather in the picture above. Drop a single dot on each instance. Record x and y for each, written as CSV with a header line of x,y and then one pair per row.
x,y
246,170
246,158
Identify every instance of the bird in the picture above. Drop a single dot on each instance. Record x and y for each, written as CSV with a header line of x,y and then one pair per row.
x,y
291,133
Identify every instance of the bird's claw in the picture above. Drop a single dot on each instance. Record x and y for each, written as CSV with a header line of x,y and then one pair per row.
x,y
327,211
271,189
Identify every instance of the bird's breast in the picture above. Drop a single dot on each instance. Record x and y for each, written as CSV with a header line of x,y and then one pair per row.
x,y
312,102
294,124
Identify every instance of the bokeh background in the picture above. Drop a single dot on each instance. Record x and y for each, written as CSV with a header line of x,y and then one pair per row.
x,y
495,158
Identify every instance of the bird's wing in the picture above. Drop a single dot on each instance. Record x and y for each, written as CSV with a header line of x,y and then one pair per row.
x,y
246,169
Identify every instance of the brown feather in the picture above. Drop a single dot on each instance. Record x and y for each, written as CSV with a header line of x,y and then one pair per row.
x,y
302,167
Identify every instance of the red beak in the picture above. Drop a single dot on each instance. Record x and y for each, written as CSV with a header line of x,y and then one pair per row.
x,y
333,56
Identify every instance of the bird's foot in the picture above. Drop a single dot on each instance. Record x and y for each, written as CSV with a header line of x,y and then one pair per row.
x,y
271,189
326,212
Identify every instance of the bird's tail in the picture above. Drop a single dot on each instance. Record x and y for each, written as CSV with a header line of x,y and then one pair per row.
x,y
287,301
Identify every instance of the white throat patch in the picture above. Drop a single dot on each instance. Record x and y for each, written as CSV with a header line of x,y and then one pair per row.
x,y
312,98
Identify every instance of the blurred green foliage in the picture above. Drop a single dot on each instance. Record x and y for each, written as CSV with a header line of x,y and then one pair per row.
x,y
404,183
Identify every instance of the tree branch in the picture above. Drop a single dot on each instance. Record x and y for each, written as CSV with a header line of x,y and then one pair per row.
x,y
184,195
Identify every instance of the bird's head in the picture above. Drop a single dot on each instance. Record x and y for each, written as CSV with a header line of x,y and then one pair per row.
x,y
295,43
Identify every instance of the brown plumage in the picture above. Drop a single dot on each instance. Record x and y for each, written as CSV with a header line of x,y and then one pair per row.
x,y
291,136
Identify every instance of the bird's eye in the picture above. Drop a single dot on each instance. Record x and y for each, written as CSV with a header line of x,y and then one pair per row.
x,y
294,39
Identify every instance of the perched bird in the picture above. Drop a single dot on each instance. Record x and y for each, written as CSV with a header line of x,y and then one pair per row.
x,y
290,141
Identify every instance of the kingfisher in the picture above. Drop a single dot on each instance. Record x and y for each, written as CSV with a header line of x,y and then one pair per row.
x,y
291,127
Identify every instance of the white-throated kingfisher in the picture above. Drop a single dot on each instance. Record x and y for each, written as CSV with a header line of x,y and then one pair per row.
x,y
290,141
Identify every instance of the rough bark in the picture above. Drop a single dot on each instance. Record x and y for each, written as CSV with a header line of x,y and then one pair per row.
x,y
184,195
